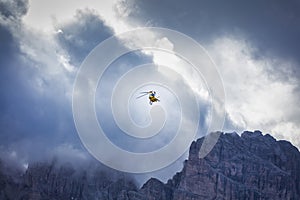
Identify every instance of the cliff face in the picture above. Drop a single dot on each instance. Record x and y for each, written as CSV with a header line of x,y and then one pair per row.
x,y
250,166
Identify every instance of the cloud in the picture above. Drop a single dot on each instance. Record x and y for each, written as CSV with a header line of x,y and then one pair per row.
x,y
81,34
257,55
45,14
37,80
209,19
270,26
260,98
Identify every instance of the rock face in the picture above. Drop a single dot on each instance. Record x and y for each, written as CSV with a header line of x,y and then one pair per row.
x,y
250,166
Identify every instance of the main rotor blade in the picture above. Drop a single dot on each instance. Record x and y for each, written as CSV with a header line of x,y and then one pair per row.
x,y
142,95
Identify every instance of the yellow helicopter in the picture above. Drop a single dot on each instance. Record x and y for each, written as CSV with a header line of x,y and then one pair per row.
x,y
152,97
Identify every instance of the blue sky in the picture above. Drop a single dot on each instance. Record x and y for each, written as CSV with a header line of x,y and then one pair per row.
x,y
255,46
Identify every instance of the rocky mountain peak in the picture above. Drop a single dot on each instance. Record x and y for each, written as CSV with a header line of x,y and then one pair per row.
x,y
253,165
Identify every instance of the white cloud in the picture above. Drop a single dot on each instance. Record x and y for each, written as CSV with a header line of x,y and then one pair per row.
x,y
160,56
65,61
255,99
44,14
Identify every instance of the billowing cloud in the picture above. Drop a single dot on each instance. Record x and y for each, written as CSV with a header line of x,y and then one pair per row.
x,y
81,34
261,98
255,48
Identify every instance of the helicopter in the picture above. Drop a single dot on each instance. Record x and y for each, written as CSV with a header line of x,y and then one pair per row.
x,y
152,97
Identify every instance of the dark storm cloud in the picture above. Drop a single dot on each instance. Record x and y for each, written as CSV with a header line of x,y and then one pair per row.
x,y
15,9
82,34
272,26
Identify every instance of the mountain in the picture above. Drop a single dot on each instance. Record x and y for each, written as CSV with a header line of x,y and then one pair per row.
x,y
250,166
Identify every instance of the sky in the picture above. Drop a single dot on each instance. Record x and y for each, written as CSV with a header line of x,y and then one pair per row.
x,y
254,47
